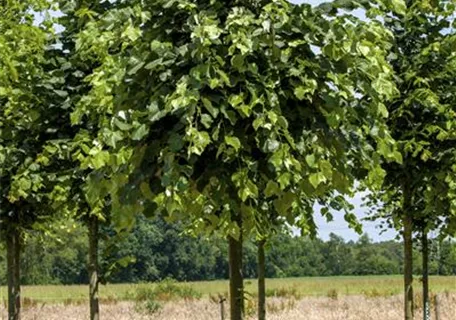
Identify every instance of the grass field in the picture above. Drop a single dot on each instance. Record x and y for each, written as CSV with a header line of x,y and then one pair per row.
x,y
320,298
369,286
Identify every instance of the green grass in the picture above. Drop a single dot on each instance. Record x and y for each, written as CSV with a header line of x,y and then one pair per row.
x,y
308,286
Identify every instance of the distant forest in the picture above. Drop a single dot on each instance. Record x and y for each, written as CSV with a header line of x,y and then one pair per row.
x,y
156,250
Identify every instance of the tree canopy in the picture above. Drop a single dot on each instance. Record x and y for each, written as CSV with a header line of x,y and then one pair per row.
x,y
30,118
201,107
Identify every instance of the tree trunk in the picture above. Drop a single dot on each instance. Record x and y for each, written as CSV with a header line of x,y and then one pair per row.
x,y
236,278
13,248
261,282
425,254
93,268
408,255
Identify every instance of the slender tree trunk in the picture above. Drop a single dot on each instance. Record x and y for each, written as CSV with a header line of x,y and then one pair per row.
x,y
93,268
408,255
14,274
236,278
425,254
261,282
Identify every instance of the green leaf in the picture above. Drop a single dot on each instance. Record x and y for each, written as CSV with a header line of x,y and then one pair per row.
x,y
277,159
121,125
364,49
206,120
239,177
300,92
131,33
100,159
383,87
284,203
399,6
340,182
233,142
249,190
199,140
112,137
376,176
61,93
236,99
272,189
382,110
140,132
24,184
154,64
135,69
309,87
234,230
324,211
326,168
13,72
316,179
230,115
209,107
258,122
284,180
238,61
271,145
176,142
146,191
425,155
398,157
310,160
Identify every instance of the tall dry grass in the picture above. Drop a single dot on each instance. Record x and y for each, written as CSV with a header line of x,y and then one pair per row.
x,y
317,308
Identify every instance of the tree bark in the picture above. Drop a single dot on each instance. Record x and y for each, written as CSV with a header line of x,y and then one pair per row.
x,y
236,278
261,282
13,248
425,254
408,255
93,268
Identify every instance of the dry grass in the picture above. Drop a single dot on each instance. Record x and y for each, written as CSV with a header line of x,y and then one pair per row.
x,y
310,308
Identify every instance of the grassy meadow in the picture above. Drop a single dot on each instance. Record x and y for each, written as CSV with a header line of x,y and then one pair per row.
x,y
369,286
318,298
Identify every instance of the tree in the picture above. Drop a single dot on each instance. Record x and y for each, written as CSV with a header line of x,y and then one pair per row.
x,y
60,259
338,256
89,195
201,106
29,119
446,258
421,120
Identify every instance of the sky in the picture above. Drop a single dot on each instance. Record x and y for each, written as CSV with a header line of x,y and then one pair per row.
x,y
338,225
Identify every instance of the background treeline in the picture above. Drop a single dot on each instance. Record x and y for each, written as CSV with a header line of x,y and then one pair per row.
x,y
157,250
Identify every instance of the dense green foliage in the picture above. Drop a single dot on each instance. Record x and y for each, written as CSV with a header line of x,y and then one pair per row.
x,y
171,254
30,117
422,118
217,100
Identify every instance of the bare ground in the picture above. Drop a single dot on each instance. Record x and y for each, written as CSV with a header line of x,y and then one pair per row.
x,y
342,308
